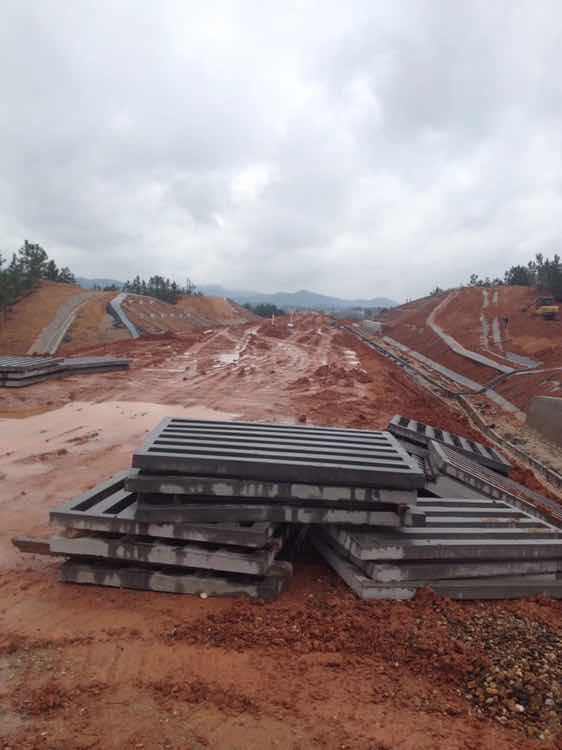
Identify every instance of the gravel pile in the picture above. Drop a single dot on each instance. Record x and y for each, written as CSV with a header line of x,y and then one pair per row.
x,y
521,677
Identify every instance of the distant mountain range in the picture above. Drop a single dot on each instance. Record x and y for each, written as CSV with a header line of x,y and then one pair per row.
x,y
294,300
302,299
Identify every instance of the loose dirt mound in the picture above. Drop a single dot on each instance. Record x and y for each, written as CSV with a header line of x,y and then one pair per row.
x,y
28,317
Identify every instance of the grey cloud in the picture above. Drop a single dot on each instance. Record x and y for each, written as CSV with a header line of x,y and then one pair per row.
x,y
362,148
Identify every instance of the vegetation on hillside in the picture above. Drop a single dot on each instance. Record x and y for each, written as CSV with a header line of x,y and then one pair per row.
x,y
543,273
164,289
26,269
264,309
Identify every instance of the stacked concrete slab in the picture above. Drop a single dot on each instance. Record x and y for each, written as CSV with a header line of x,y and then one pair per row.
x,y
207,506
485,536
18,372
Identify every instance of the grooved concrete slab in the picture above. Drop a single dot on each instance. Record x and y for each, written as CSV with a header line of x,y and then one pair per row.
x,y
177,554
423,434
451,465
230,487
109,508
202,512
294,454
172,581
429,570
23,365
18,372
501,587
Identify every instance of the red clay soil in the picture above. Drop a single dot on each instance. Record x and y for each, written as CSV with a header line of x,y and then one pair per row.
x,y
152,316
526,335
28,317
410,328
93,326
87,667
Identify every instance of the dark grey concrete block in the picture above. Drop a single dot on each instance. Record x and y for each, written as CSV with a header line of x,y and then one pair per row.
x,y
377,461
506,587
384,545
109,508
422,434
462,473
273,513
199,583
232,487
179,555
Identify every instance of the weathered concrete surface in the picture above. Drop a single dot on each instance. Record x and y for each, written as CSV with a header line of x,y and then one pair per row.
x,y
195,582
127,549
545,416
115,305
51,336
496,587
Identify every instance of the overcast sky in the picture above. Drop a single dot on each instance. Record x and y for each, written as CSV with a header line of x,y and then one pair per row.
x,y
353,148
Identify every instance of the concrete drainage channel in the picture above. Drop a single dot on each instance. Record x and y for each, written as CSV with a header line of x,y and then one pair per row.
x,y
426,380
51,337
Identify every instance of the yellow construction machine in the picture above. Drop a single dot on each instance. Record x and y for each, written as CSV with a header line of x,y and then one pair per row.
x,y
547,308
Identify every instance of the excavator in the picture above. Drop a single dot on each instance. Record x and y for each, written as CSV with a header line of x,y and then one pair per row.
x,y
547,308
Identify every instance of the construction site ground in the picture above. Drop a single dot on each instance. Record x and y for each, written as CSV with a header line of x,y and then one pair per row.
x,y
87,667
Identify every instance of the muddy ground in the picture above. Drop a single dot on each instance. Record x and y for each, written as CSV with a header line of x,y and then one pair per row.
x,y
82,667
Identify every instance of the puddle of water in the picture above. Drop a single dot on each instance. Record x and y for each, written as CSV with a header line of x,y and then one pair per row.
x,y
350,357
228,358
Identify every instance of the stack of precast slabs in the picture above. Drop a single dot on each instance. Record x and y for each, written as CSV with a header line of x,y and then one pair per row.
x,y
206,507
105,543
18,372
419,433
83,365
198,471
485,535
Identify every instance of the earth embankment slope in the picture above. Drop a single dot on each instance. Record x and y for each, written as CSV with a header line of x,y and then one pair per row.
x,y
496,322
26,319
93,325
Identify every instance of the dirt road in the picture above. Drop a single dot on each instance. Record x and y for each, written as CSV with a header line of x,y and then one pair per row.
x,y
92,668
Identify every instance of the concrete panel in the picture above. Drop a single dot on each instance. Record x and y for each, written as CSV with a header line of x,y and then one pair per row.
x,y
383,545
178,582
501,587
390,572
108,507
182,555
315,455
545,416
231,487
421,433
203,512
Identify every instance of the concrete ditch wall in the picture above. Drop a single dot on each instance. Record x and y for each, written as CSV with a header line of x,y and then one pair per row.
x,y
545,416
115,305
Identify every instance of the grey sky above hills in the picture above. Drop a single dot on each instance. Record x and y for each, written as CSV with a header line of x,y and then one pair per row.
x,y
359,149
